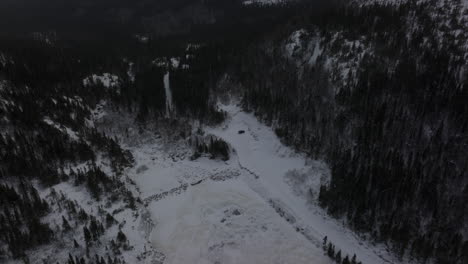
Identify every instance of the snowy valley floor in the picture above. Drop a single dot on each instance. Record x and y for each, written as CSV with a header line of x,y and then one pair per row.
x,y
254,208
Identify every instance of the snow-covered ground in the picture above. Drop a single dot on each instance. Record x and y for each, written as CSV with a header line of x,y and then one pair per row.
x,y
206,212
262,2
258,207
226,222
280,174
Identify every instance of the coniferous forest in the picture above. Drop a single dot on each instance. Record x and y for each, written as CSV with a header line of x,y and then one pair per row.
x,y
378,90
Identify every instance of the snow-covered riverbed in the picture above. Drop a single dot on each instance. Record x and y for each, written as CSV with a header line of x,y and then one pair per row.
x,y
258,207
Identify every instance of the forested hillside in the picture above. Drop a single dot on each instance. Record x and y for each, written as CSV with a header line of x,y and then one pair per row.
x,y
64,190
375,90
379,90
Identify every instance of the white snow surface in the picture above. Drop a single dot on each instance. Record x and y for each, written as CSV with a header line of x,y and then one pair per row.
x,y
227,222
258,207
262,2
220,220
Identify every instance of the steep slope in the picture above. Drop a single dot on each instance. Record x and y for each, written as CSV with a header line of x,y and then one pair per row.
x,y
63,195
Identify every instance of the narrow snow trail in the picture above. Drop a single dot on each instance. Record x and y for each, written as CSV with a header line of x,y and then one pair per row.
x,y
260,152
167,89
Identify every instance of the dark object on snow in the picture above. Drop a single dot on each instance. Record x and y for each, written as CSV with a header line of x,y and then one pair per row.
x,y
196,183
241,131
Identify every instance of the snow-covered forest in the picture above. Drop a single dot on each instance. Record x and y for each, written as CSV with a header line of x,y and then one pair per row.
x,y
231,131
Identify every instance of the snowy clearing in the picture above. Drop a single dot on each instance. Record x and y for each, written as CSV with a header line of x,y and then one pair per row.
x,y
260,151
226,222
258,207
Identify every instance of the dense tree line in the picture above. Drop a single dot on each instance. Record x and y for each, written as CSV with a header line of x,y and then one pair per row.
x,y
335,254
20,219
45,113
209,144
393,128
